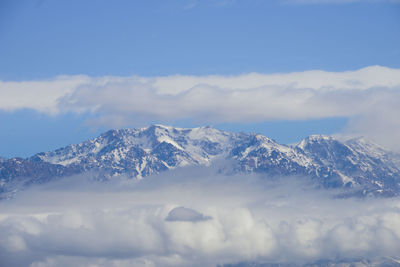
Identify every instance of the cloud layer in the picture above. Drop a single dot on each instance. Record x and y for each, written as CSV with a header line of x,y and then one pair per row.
x,y
250,219
369,97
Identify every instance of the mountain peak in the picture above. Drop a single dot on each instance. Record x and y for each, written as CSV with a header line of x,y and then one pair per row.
x,y
145,151
366,145
315,139
161,126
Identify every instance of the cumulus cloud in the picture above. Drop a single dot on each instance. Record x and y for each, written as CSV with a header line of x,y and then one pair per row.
x,y
367,96
251,220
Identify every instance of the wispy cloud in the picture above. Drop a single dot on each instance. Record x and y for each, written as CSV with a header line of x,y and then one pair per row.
x,y
367,96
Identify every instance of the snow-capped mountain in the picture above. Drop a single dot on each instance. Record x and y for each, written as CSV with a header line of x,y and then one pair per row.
x,y
356,163
141,152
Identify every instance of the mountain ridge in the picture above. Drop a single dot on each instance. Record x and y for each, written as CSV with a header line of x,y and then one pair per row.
x,y
356,163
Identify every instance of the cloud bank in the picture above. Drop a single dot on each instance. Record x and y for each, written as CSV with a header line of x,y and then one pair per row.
x,y
225,220
369,97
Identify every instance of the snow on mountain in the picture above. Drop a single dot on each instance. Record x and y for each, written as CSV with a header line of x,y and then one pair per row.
x,y
141,152
257,153
356,163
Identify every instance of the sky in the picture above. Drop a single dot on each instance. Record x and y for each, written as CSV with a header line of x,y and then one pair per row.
x,y
284,68
71,69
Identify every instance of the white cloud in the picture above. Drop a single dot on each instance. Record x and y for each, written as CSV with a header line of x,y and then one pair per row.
x,y
38,95
368,96
251,220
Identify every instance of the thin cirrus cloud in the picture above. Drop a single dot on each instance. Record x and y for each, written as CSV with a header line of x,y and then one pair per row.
x,y
368,97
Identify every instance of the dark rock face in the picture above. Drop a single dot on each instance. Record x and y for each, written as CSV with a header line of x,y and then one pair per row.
x,y
357,163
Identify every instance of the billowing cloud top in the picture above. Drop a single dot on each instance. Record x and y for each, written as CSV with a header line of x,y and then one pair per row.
x,y
251,220
369,96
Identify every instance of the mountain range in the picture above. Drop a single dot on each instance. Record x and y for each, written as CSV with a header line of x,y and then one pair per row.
x,y
357,164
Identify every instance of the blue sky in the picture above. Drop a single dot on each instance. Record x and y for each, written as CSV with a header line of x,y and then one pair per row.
x,y
40,40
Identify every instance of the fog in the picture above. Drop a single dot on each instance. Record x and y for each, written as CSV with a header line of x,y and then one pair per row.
x,y
192,217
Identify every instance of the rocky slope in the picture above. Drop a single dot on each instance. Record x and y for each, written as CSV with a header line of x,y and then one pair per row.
x,y
358,163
